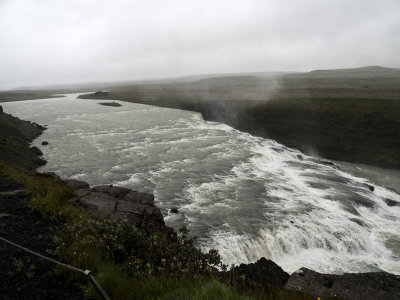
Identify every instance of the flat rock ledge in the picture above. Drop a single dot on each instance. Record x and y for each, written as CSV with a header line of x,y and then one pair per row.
x,y
377,285
116,203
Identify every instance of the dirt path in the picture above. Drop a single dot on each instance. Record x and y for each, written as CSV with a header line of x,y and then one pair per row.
x,y
23,276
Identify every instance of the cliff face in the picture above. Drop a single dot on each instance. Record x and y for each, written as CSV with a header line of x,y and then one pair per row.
x,y
354,130
15,138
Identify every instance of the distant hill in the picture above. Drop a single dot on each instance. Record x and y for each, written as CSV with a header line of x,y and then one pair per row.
x,y
370,71
355,78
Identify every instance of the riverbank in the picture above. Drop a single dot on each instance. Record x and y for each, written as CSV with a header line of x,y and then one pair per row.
x,y
144,260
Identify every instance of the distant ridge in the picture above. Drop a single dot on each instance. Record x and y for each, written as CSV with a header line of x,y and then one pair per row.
x,y
363,71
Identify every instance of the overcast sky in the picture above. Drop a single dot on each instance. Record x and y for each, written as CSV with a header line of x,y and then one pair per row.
x,y
71,41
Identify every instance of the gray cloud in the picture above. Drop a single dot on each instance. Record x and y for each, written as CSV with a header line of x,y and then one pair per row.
x,y
54,41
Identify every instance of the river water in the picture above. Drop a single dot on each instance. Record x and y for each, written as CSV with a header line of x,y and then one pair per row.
x,y
247,196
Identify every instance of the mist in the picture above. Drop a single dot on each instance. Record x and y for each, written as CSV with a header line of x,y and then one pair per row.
x,y
54,42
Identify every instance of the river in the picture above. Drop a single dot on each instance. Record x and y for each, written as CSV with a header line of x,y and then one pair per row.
x,y
247,196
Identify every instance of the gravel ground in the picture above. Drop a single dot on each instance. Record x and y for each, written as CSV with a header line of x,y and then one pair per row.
x,y
22,275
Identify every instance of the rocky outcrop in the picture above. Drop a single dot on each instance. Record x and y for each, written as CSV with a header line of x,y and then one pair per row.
x,y
379,285
370,187
263,274
15,138
115,203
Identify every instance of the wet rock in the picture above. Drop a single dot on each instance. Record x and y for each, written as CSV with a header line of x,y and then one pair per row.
x,y
391,202
1,109
359,222
44,143
299,157
371,187
174,210
379,285
76,184
36,150
263,274
329,163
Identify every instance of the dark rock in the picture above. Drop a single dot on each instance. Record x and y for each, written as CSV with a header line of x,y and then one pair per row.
x,y
1,109
118,192
371,187
329,163
112,202
116,203
36,150
379,285
359,222
102,188
391,202
112,104
263,274
44,143
76,184
174,210
299,157
137,197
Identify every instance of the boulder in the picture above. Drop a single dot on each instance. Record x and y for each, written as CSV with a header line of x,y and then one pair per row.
x,y
36,150
76,184
370,187
263,274
377,285
1,109
112,202
174,210
44,143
